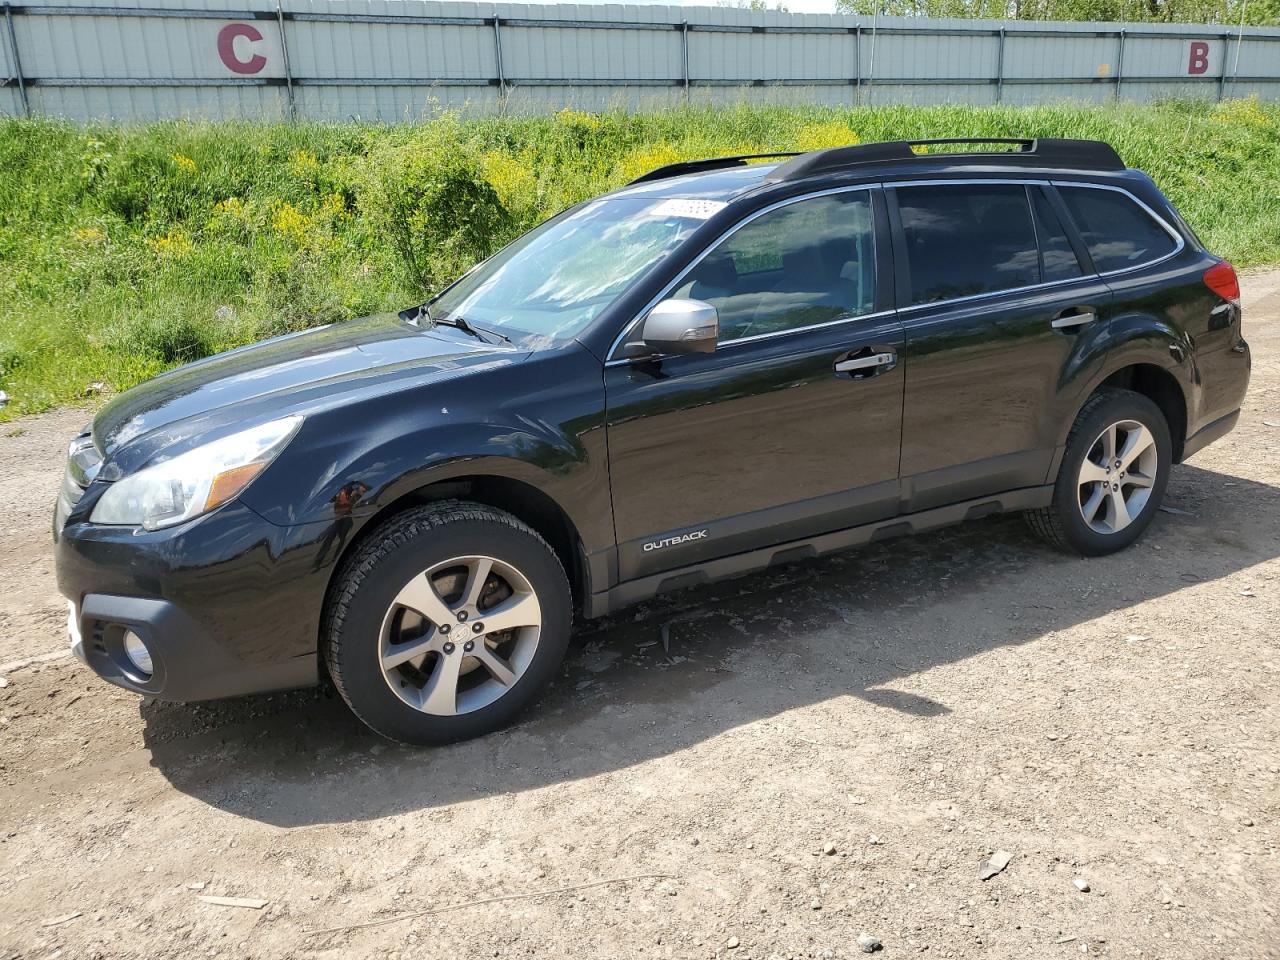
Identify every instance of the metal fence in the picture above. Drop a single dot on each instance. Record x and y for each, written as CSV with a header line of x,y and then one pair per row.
x,y
400,59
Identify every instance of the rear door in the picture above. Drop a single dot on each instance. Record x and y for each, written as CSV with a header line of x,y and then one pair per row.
x,y
1000,308
792,426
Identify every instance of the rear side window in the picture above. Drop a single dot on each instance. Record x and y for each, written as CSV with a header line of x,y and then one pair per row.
x,y
966,239
1118,232
1058,257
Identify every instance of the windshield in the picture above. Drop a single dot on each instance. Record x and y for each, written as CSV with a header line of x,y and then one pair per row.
x,y
557,278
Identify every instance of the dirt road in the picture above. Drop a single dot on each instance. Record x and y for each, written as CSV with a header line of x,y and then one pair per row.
x,y
826,750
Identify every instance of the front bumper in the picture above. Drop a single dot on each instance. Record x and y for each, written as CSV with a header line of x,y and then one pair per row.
x,y
187,663
227,604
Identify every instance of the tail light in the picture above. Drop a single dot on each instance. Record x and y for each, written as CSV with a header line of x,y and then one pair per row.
x,y
1221,279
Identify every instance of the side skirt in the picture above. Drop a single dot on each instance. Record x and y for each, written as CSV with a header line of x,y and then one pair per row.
x,y
723,568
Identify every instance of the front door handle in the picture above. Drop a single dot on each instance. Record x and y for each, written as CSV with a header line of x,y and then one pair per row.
x,y
1073,318
869,362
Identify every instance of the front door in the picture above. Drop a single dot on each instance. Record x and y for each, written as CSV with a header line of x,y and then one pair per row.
x,y
788,429
999,308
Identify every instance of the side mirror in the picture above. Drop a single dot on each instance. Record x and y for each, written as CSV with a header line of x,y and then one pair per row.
x,y
678,326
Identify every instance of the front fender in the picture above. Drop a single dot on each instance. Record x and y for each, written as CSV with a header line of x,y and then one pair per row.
x,y
545,429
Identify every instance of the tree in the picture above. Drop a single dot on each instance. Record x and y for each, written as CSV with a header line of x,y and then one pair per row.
x,y
754,5
1253,12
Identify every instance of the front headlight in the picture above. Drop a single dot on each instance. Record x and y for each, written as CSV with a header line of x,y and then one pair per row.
x,y
194,482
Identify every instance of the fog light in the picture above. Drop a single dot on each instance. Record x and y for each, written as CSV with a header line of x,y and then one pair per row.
x,y
137,653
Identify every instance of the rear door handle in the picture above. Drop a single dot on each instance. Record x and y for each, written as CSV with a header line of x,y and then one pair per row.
x,y
871,362
1073,318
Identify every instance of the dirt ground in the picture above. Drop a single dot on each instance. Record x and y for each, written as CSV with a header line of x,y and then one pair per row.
x,y
825,751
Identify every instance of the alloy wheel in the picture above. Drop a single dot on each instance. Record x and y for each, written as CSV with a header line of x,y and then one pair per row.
x,y
1117,476
459,635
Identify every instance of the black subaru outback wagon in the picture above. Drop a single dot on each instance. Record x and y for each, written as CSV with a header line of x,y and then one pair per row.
x,y
722,366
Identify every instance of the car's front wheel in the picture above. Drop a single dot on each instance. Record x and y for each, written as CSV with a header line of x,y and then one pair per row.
x,y
1112,478
446,622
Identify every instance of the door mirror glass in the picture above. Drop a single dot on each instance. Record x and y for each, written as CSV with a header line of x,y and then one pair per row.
x,y
678,326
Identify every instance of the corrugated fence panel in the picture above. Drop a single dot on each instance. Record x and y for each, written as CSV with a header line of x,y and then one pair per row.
x,y
404,59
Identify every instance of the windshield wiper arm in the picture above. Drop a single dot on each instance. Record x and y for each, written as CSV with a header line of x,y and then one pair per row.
x,y
460,324
422,312
486,330
480,333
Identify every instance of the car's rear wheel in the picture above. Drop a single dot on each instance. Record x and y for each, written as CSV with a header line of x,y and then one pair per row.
x,y
1112,478
446,622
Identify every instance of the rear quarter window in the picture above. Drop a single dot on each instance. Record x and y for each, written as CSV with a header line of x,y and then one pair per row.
x,y
1118,231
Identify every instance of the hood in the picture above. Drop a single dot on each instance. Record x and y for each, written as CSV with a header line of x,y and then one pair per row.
x,y
284,375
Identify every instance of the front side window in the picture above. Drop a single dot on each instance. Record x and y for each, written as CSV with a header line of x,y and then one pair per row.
x,y
967,239
1117,231
805,263
557,278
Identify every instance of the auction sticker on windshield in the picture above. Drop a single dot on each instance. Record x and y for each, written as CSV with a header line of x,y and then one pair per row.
x,y
687,208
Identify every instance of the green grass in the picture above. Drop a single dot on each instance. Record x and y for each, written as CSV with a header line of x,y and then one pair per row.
x,y
125,250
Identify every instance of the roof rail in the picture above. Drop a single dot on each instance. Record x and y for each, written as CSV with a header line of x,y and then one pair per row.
x,y
1041,152
712,163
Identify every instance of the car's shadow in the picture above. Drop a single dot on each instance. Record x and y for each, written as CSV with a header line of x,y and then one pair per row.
x,y
738,652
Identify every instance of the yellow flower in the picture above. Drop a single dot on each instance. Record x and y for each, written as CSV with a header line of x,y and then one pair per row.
x,y
172,244
231,207
641,161
578,118
292,224
1245,111
184,163
819,136
90,236
304,164
512,180
335,206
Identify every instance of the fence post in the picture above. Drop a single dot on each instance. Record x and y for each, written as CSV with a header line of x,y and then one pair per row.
x,y
288,72
1222,74
1235,69
497,52
1000,68
17,63
684,53
1120,64
857,65
871,70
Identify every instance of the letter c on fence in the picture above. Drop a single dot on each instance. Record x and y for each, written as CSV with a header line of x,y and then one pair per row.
x,y
227,50
1198,62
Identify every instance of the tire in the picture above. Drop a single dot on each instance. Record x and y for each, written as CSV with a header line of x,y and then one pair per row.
x,y
1085,515
418,584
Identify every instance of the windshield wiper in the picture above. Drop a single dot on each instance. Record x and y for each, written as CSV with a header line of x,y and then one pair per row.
x,y
487,331
423,312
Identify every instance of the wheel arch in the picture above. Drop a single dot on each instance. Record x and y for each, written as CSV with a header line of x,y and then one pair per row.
x,y
1160,387
516,496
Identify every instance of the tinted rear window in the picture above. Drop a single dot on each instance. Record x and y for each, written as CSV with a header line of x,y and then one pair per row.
x,y
1118,232
966,239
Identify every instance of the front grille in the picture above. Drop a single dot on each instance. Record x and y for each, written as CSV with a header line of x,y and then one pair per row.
x,y
83,464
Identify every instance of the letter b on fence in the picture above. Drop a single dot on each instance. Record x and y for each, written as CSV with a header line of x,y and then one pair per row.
x,y
1198,61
